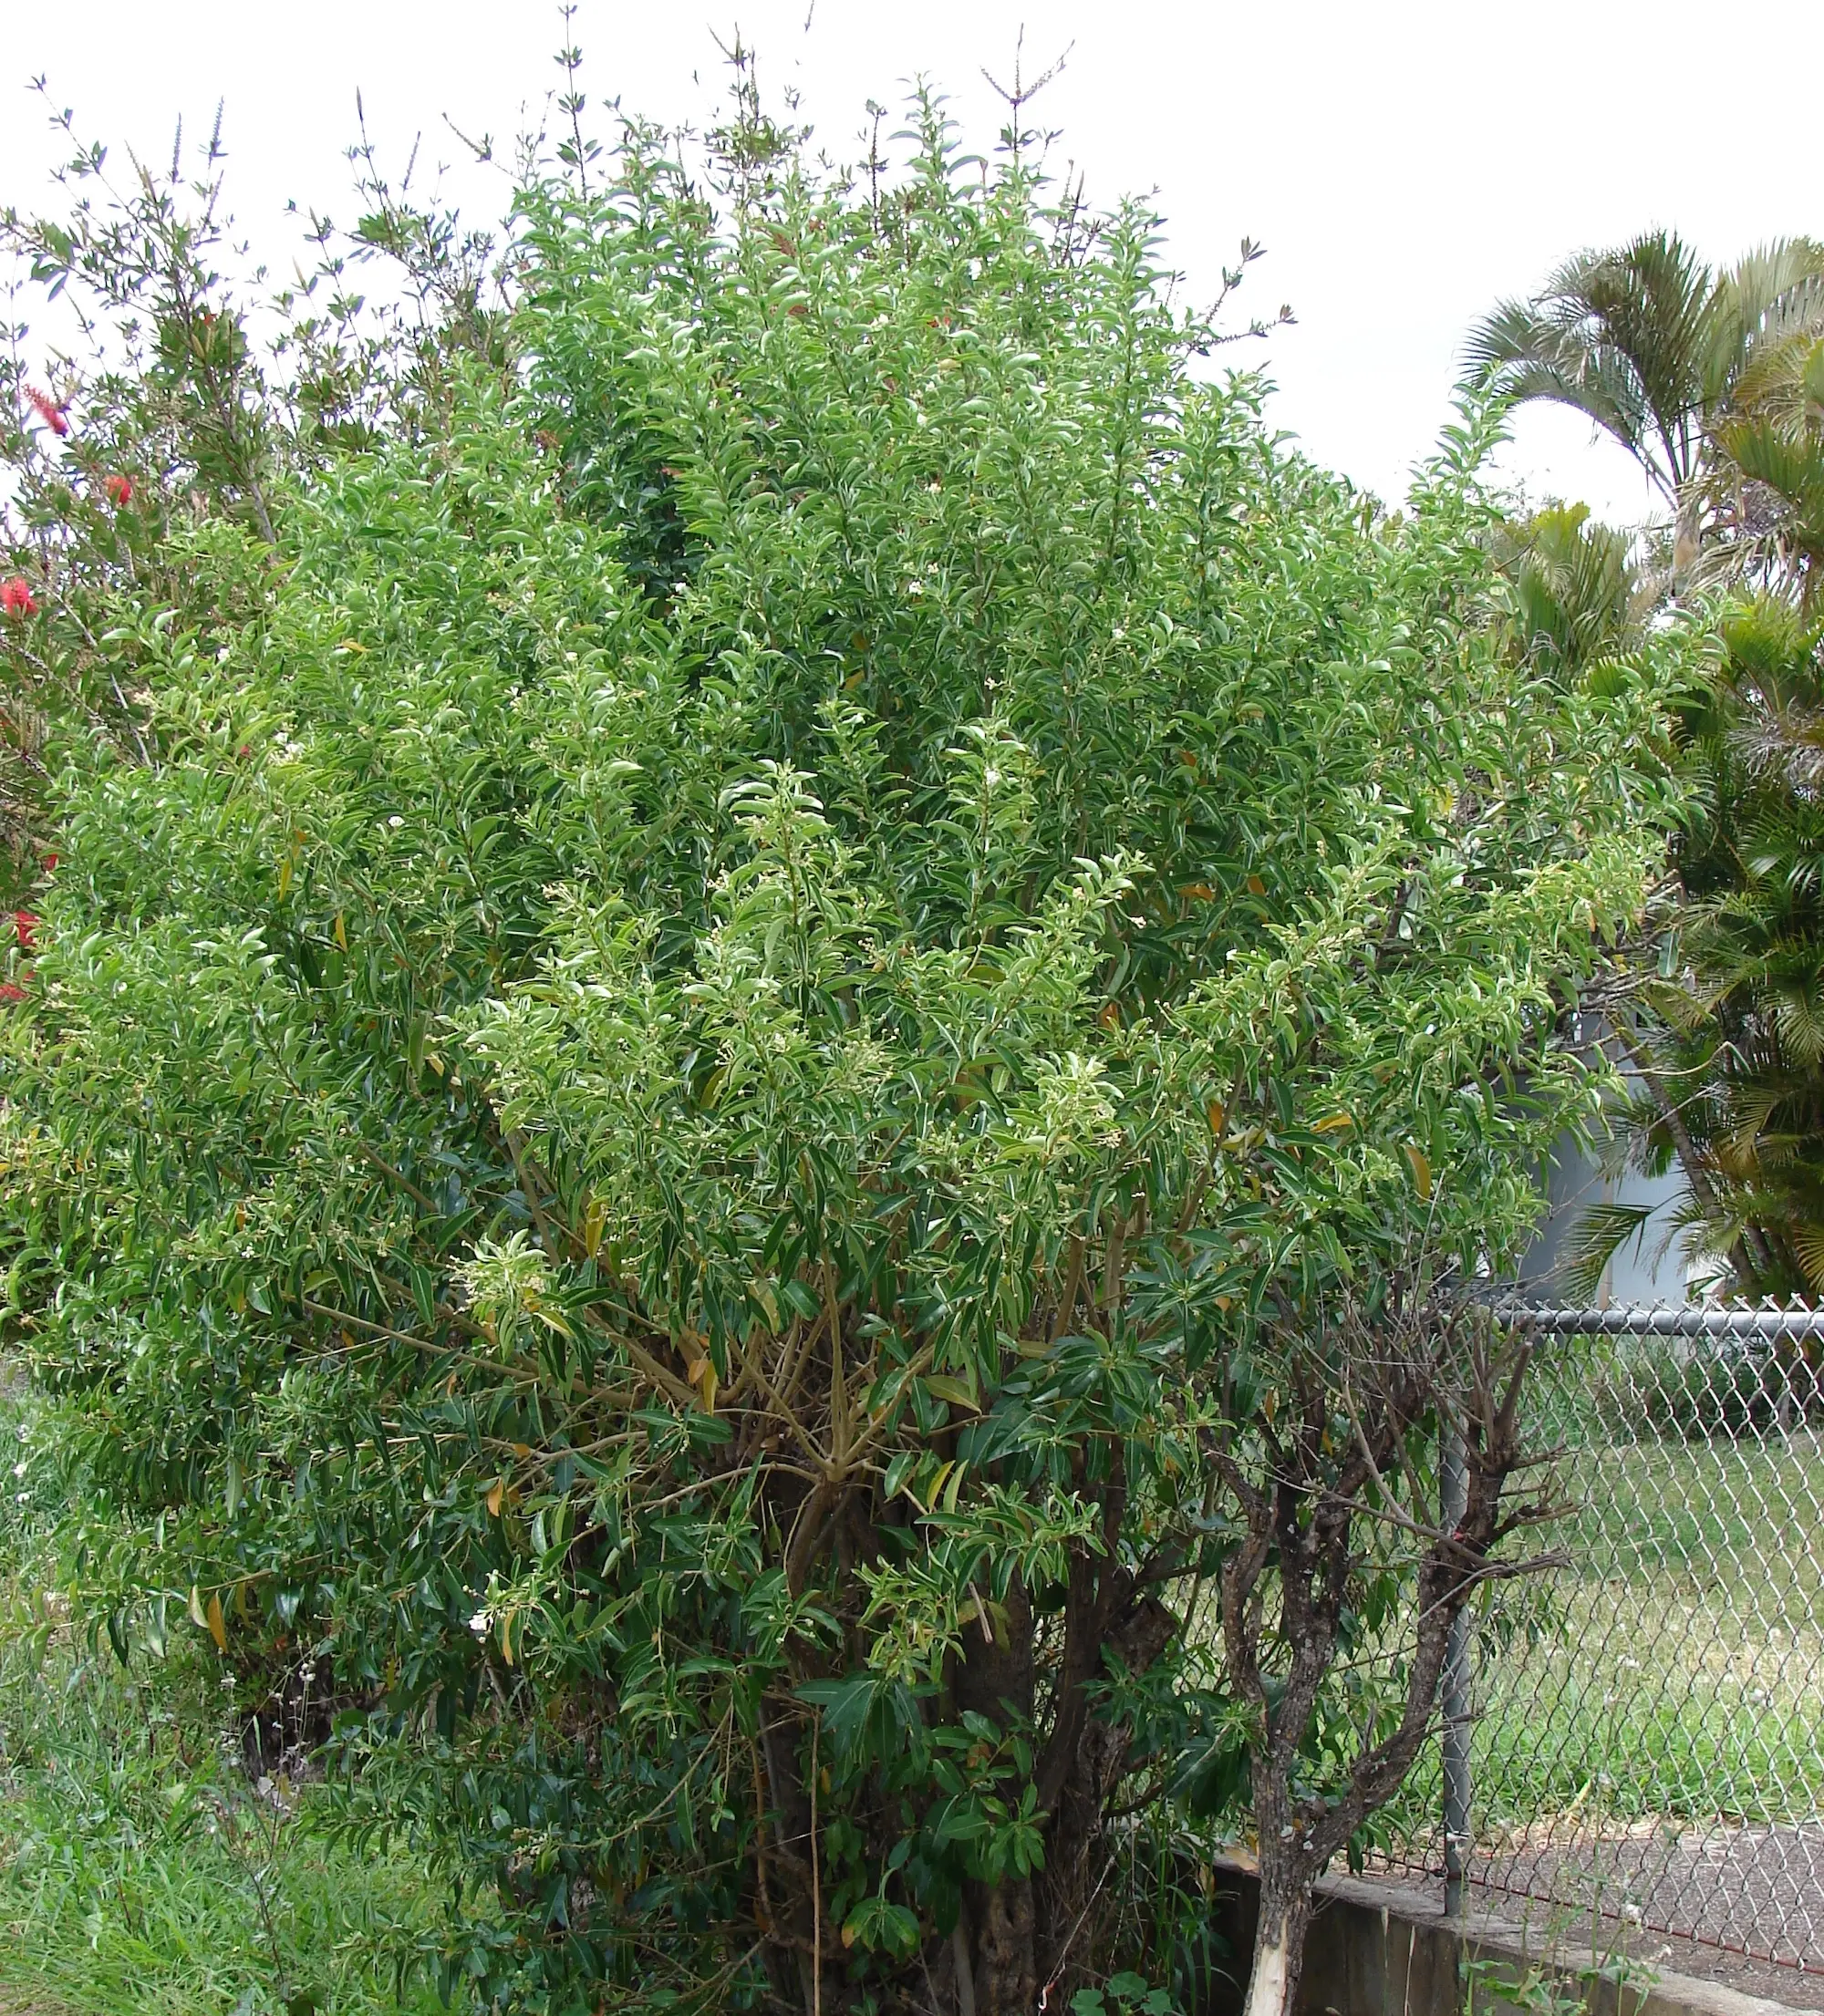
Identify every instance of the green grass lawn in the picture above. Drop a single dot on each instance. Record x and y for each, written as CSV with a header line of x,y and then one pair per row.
x,y
1677,1664
1673,1666
136,1877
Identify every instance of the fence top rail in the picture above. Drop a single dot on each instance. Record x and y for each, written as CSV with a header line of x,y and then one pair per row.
x,y
1770,1319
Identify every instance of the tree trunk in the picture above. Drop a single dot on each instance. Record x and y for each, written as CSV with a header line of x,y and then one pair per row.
x,y
1076,1843
994,1678
1686,539
1006,1970
790,1934
1279,1943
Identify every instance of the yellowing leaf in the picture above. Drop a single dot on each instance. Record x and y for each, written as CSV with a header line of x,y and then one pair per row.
x,y
521,1450
1255,888
341,931
218,1628
594,1219
196,1616
286,868
944,1470
1217,1116
1331,1122
506,1637
955,1486
496,1496
1420,1170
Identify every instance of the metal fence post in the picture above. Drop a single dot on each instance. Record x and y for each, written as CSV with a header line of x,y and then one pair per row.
x,y
1454,1495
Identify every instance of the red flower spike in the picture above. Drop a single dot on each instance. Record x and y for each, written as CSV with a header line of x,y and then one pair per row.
x,y
120,490
8,992
15,597
49,860
26,925
49,411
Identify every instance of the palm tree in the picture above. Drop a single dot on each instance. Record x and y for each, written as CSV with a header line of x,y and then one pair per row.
x,y
1715,384
1748,1036
1651,344
1769,482
1724,1032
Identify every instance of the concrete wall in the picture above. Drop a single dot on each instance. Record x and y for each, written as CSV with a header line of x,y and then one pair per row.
x,y
1375,1949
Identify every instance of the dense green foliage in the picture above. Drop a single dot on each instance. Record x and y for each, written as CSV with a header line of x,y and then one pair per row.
x,y
736,1035
188,396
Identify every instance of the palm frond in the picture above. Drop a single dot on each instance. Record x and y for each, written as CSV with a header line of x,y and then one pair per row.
x,y
1619,334
1520,353
1767,297
1602,1230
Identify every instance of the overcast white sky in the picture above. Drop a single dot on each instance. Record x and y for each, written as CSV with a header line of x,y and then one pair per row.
x,y
1405,163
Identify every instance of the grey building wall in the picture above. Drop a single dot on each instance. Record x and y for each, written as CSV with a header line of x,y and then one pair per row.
x,y
1651,1267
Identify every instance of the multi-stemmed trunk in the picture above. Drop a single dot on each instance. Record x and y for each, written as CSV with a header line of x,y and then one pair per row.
x,y
1304,1508
1015,1938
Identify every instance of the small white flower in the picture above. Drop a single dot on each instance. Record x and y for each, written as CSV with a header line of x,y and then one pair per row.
x,y
395,821
481,1624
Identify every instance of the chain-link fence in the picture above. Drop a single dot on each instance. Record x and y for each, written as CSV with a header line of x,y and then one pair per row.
x,y
1646,1740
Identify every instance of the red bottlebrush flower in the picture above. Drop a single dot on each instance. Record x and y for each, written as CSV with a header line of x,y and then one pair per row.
x,y
120,490
8,992
49,411
49,860
15,597
26,925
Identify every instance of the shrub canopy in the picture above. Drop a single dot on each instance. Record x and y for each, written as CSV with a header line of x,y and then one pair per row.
x,y
665,1126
